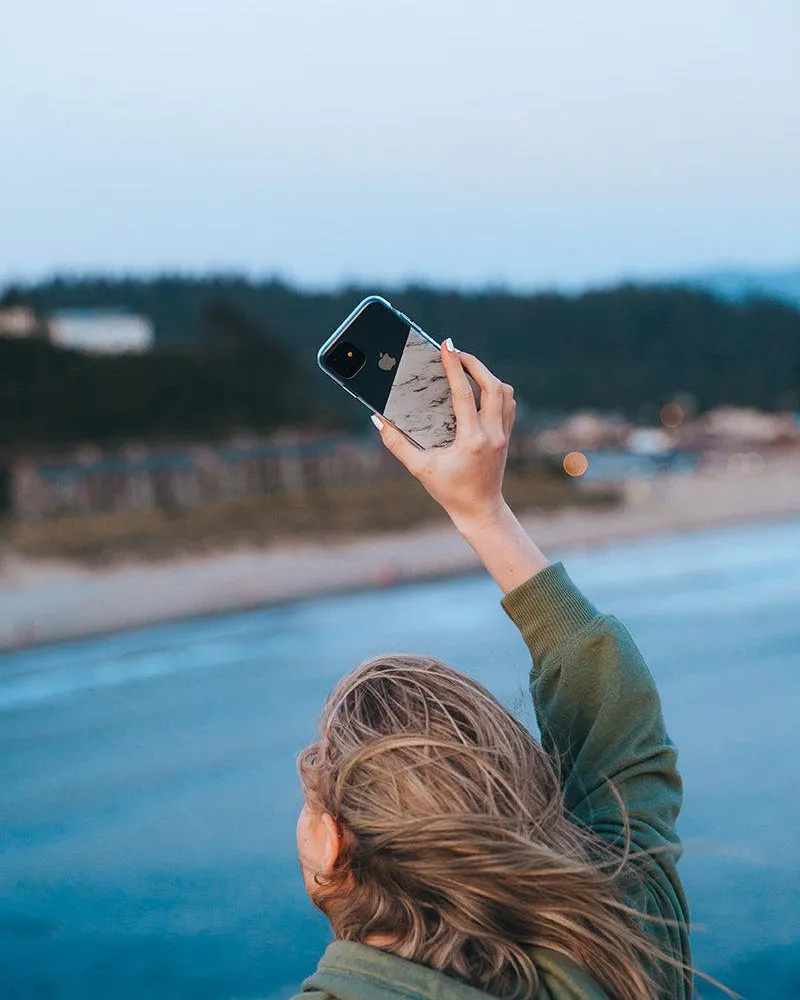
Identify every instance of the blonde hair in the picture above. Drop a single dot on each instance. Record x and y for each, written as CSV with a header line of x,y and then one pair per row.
x,y
455,845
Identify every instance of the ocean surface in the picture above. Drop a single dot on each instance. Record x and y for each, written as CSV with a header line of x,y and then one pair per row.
x,y
148,792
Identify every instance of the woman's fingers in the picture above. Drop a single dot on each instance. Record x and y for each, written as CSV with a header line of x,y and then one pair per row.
x,y
398,444
493,423
509,409
463,399
492,394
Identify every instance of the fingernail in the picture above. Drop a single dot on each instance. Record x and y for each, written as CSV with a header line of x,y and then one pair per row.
x,y
376,420
449,344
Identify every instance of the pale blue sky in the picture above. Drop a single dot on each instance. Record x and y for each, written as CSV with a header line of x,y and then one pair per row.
x,y
525,143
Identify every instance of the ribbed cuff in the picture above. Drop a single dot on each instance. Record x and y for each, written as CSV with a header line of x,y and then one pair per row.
x,y
548,609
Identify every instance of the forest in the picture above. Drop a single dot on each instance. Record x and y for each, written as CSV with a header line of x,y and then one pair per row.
x,y
233,354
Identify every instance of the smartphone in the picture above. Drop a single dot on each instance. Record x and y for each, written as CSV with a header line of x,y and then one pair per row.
x,y
394,368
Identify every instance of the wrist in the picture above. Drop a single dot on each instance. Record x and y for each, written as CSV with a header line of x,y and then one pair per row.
x,y
502,545
488,519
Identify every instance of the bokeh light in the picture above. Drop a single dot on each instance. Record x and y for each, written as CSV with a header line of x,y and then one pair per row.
x,y
575,463
672,415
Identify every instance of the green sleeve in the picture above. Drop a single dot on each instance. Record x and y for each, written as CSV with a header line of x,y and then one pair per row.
x,y
600,717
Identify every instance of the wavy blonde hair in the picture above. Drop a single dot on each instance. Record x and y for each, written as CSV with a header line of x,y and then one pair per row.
x,y
455,845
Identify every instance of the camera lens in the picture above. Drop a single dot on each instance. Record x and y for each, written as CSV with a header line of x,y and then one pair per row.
x,y
345,359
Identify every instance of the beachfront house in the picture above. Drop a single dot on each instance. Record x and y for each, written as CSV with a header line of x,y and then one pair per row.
x,y
102,331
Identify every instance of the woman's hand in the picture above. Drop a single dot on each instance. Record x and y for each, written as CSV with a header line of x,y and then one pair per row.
x,y
466,477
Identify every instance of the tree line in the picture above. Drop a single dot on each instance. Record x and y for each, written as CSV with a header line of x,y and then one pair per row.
x,y
235,354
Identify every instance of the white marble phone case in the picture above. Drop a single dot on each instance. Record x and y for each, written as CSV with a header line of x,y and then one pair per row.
x,y
419,400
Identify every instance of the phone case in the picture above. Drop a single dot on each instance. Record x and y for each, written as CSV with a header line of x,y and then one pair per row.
x,y
418,402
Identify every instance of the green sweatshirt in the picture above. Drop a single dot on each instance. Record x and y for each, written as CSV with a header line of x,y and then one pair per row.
x,y
599,711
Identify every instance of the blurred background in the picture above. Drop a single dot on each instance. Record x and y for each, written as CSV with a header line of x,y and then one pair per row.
x,y
199,532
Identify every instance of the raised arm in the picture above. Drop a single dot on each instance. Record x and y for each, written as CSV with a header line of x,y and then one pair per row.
x,y
597,705
598,711
596,702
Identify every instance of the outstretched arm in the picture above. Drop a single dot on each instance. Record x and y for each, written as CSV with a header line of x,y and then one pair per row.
x,y
596,702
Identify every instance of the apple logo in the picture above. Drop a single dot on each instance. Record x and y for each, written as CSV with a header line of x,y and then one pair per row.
x,y
386,362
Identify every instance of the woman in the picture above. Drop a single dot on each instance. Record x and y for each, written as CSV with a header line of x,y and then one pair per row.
x,y
453,855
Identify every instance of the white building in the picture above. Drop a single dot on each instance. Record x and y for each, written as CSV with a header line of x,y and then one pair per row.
x,y
102,331
584,431
744,424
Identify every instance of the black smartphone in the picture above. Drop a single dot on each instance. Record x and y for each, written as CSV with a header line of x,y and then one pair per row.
x,y
394,368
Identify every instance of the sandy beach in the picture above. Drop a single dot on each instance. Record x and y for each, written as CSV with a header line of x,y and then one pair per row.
x,y
55,601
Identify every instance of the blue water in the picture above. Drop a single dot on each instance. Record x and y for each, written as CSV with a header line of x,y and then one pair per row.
x,y
148,792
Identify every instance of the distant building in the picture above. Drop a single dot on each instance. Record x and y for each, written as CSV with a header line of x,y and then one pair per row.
x,y
584,431
746,425
102,331
17,321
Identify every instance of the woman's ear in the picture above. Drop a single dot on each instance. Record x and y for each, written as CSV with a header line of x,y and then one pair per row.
x,y
320,841
330,843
